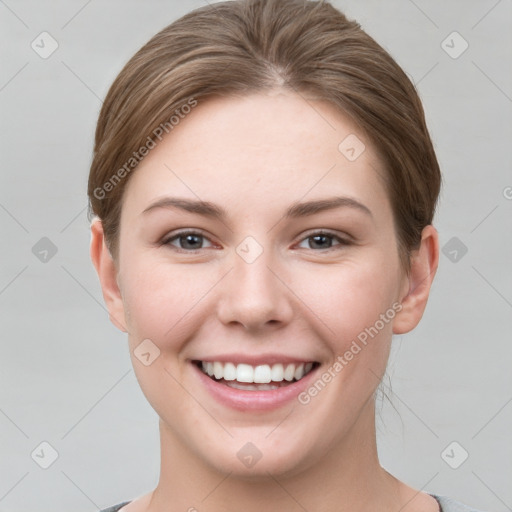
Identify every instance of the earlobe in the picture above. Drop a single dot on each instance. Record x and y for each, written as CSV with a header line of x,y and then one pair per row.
x,y
424,263
107,274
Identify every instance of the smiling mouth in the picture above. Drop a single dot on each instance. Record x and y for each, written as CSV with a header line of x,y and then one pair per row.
x,y
258,378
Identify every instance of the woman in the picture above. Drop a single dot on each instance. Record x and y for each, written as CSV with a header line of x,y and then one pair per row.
x,y
263,189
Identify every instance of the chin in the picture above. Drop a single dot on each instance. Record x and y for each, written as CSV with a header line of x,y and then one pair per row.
x,y
254,460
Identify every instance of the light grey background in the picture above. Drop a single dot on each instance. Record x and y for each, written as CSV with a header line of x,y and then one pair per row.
x,y
65,372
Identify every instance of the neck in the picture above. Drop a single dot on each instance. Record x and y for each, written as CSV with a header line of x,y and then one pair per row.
x,y
349,477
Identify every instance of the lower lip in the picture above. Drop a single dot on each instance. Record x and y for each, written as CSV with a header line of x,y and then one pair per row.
x,y
254,400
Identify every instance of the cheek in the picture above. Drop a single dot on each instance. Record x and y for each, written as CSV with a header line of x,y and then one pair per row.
x,y
160,298
161,301
358,303
350,298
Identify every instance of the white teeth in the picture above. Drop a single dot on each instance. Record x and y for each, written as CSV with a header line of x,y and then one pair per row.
x,y
299,372
244,373
261,374
253,387
277,373
229,371
289,372
218,371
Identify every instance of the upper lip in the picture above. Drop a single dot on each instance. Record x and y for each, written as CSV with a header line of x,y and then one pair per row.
x,y
255,360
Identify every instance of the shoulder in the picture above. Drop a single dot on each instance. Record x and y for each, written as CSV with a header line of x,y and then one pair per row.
x,y
450,505
115,508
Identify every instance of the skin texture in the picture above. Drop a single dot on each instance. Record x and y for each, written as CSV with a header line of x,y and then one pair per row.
x,y
255,156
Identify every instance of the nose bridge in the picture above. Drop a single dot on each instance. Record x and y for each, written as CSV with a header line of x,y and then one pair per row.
x,y
254,295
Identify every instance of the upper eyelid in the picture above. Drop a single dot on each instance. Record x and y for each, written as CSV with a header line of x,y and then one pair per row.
x,y
193,231
320,231
343,239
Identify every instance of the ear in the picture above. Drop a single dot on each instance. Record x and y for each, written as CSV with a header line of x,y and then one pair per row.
x,y
416,287
107,273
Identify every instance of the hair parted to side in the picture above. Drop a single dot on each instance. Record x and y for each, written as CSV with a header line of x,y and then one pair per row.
x,y
246,46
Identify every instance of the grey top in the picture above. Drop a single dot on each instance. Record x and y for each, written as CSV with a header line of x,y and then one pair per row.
x,y
446,504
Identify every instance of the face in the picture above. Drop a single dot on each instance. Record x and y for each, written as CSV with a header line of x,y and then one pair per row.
x,y
257,280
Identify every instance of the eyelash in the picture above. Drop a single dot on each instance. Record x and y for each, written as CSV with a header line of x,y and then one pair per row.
x,y
176,236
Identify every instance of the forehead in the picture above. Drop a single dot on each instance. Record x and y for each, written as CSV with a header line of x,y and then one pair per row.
x,y
257,150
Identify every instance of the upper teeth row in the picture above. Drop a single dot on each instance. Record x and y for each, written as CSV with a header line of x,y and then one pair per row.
x,y
261,374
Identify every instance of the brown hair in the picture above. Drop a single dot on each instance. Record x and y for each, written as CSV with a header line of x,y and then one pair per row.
x,y
245,46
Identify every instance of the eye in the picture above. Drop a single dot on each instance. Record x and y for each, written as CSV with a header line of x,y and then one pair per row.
x,y
188,241
323,240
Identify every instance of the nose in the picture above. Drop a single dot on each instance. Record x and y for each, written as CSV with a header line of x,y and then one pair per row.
x,y
255,294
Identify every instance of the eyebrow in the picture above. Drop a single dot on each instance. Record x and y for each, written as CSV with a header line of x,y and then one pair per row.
x,y
296,210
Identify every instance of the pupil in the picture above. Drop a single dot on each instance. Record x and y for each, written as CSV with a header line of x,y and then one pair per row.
x,y
190,239
321,237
